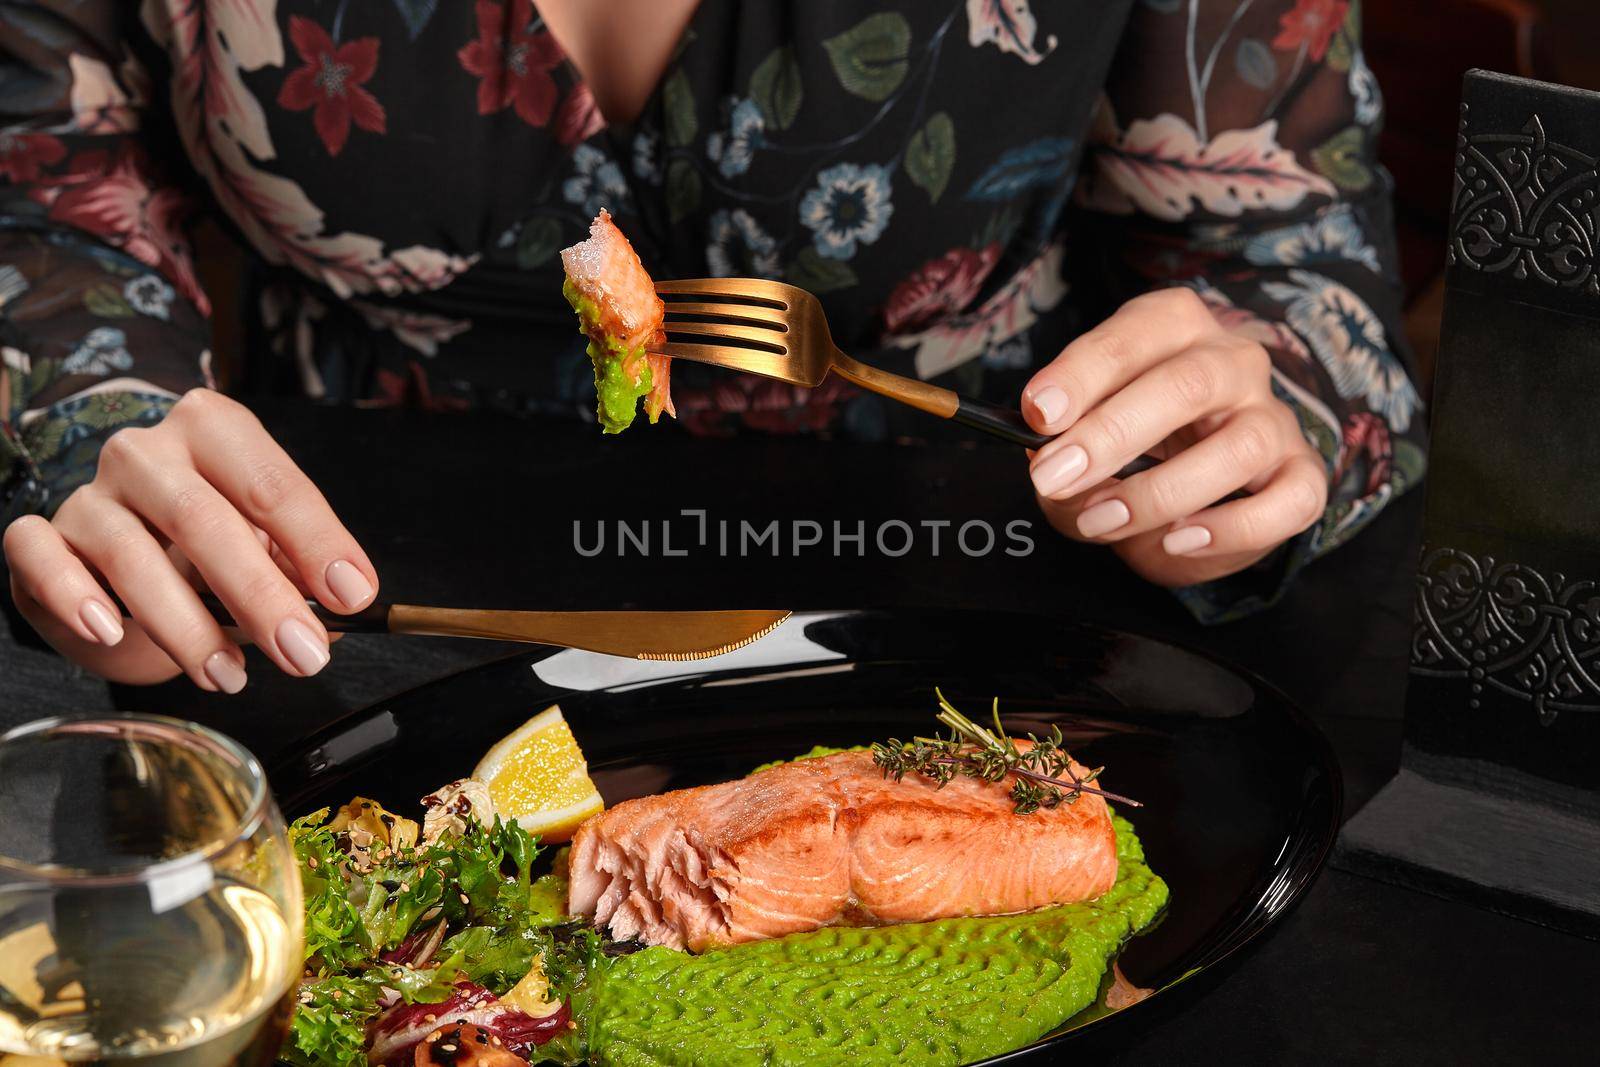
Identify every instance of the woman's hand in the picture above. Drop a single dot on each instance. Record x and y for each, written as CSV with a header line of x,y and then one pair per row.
x,y
1162,377
204,499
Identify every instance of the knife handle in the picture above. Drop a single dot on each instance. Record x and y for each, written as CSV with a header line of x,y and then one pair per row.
x,y
372,619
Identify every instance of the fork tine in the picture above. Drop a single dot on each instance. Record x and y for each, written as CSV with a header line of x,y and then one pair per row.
x,y
753,336
749,313
765,364
771,293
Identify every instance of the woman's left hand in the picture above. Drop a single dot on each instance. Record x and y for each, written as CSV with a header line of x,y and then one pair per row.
x,y
1162,377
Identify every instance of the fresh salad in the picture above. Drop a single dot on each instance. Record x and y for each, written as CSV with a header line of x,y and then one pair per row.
x,y
435,944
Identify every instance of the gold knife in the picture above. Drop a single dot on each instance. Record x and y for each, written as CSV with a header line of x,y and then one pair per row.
x,y
660,635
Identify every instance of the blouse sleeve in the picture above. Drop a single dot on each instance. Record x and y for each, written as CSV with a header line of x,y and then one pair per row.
x,y
1234,152
102,324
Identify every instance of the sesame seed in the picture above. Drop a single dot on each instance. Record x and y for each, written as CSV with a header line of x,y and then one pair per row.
x,y
430,1018
465,899
434,1036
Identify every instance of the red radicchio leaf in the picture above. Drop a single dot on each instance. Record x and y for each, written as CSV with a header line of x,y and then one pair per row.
x,y
395,1034
418,947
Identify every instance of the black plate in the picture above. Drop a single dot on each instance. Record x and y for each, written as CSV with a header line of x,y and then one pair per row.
x,y
1242,793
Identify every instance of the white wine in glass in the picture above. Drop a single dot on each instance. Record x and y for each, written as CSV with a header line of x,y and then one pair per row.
x,y
149,902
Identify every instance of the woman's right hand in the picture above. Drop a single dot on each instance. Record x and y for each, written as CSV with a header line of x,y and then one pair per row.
x,y
206,499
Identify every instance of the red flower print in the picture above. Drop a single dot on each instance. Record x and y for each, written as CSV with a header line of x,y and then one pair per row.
x,y
22,154
112,199
579,117
330,81
1312,23
514,59
1366,437
939,287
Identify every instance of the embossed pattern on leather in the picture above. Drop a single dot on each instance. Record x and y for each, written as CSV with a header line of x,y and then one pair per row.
x,y
1525,204
1526,196
1507,627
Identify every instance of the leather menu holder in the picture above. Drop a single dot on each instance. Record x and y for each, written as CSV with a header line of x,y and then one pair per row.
x,y
1498,795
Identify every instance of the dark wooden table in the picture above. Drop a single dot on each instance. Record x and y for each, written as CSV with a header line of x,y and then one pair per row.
x,y
481,511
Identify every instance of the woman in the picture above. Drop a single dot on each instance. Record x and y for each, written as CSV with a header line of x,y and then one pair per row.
x,y
405,171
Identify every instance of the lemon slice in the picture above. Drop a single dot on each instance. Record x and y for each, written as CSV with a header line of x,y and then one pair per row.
x,y
537,775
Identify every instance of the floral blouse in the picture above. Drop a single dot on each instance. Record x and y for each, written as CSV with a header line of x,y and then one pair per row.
x,y
965,184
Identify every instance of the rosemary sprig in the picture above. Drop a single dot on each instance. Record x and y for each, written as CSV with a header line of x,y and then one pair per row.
x,y
1042,776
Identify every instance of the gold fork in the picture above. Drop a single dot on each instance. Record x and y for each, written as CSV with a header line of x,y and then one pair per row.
x,y
779,331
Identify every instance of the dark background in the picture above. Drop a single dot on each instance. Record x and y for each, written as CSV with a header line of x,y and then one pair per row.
x,y
480,512
1573,26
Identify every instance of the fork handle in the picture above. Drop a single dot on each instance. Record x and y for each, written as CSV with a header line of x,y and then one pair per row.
x,y
998,421
1008,425
994,419
1002,422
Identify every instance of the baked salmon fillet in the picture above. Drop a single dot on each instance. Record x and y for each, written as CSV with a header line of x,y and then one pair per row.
x,y
827,841
619,311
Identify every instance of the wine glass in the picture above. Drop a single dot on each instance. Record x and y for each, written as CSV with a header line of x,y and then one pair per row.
x,y
149,901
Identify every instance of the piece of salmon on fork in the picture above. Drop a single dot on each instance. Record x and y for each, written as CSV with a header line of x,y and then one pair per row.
x,y
619,311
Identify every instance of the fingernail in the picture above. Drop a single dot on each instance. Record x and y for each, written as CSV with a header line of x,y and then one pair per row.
x,y
301,646
1104,517
1051,404
101,621
348,584
224,672
1186,539
1056,472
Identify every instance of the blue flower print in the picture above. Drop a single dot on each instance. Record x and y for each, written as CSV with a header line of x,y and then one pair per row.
x,y
849,206
1330,237
739,247
647,156
101,351
598,183
733,150
1350,342
149,294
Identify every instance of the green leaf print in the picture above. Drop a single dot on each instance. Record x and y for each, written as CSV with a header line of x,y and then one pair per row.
x,y
678,100
870,58
775,87
1339,159
1342,49
107,302
1410,462
537,242
819,274
44,437
932,154
683,190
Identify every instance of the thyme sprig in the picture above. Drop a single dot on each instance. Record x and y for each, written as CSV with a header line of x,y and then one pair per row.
x,y
1042,775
